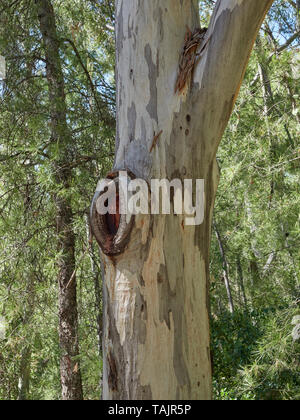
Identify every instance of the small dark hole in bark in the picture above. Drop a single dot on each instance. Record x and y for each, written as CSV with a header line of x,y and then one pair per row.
x,y
142,308
180,128
113,220
111,224
159,278
188,118
111,230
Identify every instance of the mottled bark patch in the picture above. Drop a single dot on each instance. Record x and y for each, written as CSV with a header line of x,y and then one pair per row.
x,y
165,307
131,117
158,16
141,315
152,76
137,158
120,31
144,393
172,297
113,372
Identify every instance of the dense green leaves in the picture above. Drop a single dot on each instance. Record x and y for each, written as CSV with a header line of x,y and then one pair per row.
x,y
257,213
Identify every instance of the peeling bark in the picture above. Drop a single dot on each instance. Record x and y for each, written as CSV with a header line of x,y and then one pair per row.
x,y
156,307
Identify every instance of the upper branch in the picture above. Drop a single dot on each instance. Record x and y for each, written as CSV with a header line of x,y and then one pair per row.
x,y
232,32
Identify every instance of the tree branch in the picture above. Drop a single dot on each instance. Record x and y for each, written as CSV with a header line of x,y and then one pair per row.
x,y
233,30
93,89
289,41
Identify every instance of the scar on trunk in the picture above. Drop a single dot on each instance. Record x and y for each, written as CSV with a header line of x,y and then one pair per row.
x,y
189,56
111,230
155,139
113,373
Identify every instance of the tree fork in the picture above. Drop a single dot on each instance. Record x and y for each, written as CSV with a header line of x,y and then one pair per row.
x,y
156,337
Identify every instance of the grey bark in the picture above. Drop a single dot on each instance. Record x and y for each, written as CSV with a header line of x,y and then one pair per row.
x,y
156,306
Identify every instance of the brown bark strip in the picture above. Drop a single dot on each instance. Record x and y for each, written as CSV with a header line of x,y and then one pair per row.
x,y
155,139
189,56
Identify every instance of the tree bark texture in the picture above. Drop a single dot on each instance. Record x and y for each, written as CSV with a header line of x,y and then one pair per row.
x,y
156,307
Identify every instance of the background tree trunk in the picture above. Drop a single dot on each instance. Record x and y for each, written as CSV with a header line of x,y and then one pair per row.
x,y
156,306
61,148
97,288
25,364
240,277
225,269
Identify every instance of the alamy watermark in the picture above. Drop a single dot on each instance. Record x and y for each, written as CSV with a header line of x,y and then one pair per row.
x,y
131,197
2,68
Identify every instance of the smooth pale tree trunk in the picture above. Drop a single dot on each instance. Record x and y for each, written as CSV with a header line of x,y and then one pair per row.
x,y
156,324
62,155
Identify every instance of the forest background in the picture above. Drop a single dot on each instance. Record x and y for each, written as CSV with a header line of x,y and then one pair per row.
x,y
255,251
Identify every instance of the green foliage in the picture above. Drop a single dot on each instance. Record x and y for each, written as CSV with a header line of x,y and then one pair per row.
x,y
233,339
254,356
274,372
257,214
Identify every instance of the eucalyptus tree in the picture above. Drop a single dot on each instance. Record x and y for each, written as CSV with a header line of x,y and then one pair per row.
x,y
171,116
